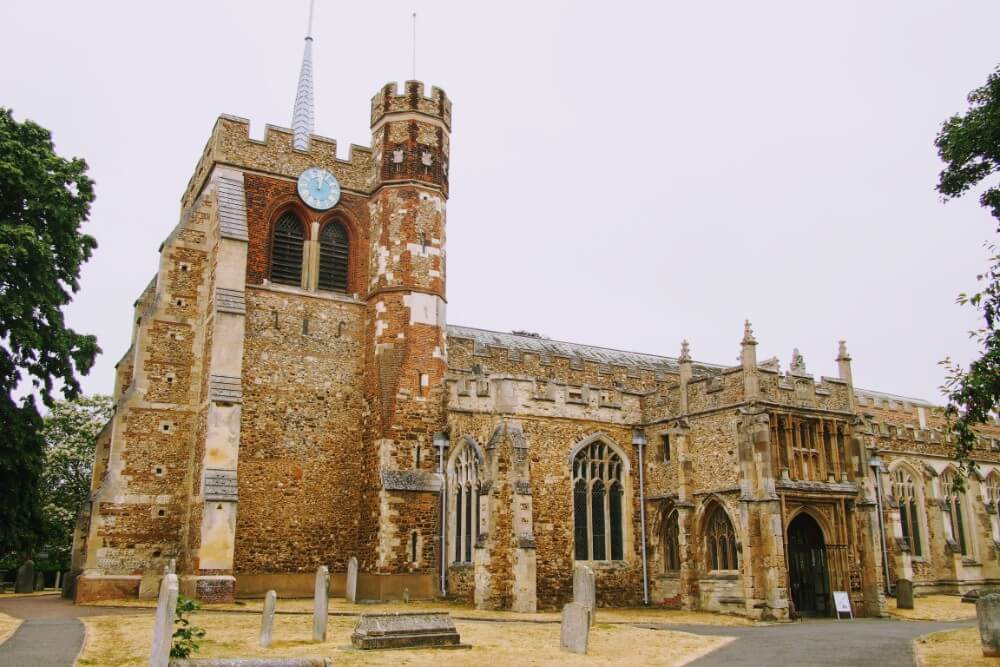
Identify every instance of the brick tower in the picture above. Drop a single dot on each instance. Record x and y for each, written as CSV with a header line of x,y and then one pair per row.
x,y
406,357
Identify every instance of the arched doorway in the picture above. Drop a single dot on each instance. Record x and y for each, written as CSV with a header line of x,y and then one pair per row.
x,y
807,573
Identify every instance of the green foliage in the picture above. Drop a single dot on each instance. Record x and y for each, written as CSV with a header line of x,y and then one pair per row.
x,y
969,145
186,636
43,201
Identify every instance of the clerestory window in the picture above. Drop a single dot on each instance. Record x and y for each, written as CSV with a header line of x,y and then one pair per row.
x,y
598,503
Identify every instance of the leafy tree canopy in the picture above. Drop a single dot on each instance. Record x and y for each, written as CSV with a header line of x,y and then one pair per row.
x,y
43,201
969,145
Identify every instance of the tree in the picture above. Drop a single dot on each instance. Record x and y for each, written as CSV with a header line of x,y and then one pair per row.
x,y
70,433
969,145
44,199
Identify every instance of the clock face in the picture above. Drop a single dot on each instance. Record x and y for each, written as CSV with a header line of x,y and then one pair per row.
x,y
319,188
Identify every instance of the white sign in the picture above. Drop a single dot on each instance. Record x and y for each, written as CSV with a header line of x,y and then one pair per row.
x,y
843,603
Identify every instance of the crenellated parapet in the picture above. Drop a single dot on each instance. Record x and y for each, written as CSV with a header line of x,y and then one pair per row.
x,y
230,144
411,99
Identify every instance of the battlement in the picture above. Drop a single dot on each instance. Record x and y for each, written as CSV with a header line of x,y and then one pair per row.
x,y
230,144
390,100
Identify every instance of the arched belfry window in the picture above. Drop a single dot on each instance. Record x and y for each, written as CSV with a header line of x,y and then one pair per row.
x,y
465,487
333,253
286,251
671,543
953,505
720,541
904,490
598,503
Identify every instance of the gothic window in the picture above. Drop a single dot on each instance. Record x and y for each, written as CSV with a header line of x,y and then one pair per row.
x,y
465,487
953,501
598,496
286,251
720,541
333,252
671,546
991,489
904,490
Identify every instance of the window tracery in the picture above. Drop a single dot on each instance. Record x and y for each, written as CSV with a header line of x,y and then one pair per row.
x,y
598,503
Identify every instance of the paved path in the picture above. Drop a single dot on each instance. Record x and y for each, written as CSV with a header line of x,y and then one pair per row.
x,y
878,642
51,634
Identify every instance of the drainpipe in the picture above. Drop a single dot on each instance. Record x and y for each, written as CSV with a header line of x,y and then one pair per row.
x,y
639,439
441,441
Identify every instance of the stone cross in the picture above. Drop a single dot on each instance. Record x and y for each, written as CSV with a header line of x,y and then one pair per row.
x,y
351,590
25,582
267,619
163,625
904,594
575,629
320,603
988,614
585,590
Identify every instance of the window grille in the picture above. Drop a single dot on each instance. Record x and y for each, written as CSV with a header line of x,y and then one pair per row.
x,y
333,254
286,251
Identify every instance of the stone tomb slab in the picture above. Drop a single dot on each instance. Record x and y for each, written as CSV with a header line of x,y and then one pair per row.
x,y
405,630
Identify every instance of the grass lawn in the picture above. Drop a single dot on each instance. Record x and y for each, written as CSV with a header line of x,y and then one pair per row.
x,y
120,641
952,647
935,608
8,624
463,611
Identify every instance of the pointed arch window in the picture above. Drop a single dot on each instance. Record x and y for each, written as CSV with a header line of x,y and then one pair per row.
x,y
904,490
720,540
671,543
598,503
465,489
953,501
333,254
286,251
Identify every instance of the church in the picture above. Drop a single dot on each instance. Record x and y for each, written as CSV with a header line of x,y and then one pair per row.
x,y
294,396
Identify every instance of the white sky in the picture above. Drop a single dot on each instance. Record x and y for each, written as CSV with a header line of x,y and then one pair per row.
x,y
623,174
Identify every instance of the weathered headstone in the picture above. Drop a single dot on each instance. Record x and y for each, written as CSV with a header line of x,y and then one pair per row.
x,y
970,596
163,624
988,615
399,630
69,585
351,590
39,581
904,594
267,619
321,602
25,582
149,585
585,589
574,631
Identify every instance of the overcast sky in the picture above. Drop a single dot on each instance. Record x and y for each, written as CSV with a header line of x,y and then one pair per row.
x,y
623,174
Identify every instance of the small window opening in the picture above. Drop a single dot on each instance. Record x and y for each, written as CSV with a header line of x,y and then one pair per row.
x,y
413,547
161,513
305,326
156,553
666,446
418,456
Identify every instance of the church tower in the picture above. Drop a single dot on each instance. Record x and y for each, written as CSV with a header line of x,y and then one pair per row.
x,y
406,323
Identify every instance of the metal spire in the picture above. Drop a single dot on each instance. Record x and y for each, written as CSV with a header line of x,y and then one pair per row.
x,y
302,116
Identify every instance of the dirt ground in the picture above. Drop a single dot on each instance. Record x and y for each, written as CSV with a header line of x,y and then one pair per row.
x,y
463,611
8,624
952,647
935,608
123,641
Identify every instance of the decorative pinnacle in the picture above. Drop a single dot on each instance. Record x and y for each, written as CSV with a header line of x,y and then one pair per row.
x,y
842,352
302,115
685,353
798,364
748,338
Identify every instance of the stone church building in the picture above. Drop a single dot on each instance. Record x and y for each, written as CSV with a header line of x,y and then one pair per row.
x,y
294,396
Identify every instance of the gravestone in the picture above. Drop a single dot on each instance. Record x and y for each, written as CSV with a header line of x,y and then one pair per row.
x,y
320,603
149,585
69,585
971,596
988,615
399,630
39,581
904,594
267,619
25,582
58,579
351,590
163,624
584,589
574,631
